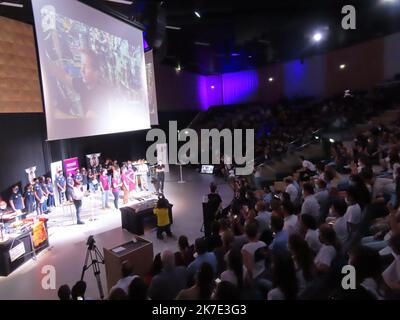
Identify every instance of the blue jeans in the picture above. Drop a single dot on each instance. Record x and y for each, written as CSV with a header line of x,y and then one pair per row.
x,y
104,199
116,198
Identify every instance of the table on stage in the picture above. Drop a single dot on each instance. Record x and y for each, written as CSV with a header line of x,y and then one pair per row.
x,y
134,214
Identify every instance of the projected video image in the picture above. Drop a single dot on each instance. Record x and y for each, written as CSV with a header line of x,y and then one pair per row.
x,y
93,71
88,64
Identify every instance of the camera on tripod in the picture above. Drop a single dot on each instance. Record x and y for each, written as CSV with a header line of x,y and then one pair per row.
x,y
90,243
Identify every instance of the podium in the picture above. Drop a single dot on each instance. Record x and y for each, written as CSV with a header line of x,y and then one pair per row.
x,y
138,253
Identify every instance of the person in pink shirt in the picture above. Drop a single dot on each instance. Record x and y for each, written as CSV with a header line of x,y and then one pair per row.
x,y
125,184
104,188
130,176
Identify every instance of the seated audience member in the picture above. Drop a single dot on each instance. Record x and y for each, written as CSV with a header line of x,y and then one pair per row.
x,y
203,287
226,291
118,294
290,219
353,212
291,189
303,260
263,216
362,194
368,268
64,292
280,242
227,242
185,254
322,196
284,280
170,281
155,269
240,238
310,204
329,249
78,291
267,194
337,218
127,277
16,200
391,275
138,290
254,268
307,167
250,199
214,241
276,207
308,227
236,272
202,256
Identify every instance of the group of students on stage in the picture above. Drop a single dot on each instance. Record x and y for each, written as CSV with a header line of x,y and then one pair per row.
x,y
130,177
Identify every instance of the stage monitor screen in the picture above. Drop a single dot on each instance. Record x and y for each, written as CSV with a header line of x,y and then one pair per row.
x,y
93,71
207,169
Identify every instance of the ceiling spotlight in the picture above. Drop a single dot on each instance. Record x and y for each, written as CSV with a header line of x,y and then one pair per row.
x,y
197,14
270,79
178,68
213,87
332,140
317,37
250,57
342,66
316,138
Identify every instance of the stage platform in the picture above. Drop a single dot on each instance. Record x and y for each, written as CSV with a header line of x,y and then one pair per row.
x,y
68,241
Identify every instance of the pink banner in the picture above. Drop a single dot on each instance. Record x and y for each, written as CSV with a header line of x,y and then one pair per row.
x,y
71,165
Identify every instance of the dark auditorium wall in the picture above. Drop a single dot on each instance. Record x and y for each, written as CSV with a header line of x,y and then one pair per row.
x,y
22,140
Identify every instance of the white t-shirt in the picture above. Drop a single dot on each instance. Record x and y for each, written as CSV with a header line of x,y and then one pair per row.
x,y
341,230
230,276
309,165
291,224
353,214
292,191
312,238
325,255
252,247
276,294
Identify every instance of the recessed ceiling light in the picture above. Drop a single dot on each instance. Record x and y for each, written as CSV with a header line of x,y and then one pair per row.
x,y
342,66
270,79
197,14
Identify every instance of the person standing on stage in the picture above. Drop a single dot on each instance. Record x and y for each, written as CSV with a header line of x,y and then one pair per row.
x,y
78,176
43,185
38,196
61,186
30,202
77,196
84,179
116,186
50,191
104,188
125,184
160,171
16,200
131,178
70,186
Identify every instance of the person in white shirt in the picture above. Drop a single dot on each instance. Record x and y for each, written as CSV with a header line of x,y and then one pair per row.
x,y
329,249
254,268
127,277
291,189
284,281
308,168
337,219
77,196
308,227
353,213
290,219
310,204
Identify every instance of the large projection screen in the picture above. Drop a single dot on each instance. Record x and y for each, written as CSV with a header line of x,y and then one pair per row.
x,y
151,88
93,71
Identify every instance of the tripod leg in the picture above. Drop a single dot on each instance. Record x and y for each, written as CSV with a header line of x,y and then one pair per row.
x,y
85,264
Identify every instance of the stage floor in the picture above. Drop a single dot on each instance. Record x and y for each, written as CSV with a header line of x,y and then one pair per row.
x,y
68,241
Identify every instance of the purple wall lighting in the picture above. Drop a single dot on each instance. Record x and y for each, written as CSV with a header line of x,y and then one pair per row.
x,y
240,87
